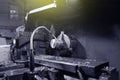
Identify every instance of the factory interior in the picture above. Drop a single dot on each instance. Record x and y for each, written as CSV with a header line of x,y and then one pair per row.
x,y
59,39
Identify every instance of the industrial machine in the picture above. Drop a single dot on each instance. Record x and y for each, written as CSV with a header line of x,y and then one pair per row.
x,y
58,62
40,55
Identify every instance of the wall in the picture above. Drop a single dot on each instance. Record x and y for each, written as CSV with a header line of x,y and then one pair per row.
x,y
6,22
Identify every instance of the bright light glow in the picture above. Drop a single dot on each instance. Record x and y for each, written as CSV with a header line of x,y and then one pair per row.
x,y
26,17
4,46
53,5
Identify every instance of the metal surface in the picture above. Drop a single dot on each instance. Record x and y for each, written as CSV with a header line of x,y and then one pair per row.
x,y
89,66
4,54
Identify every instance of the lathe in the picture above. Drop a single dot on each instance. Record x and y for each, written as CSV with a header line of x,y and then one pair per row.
x,y
40,55
34,65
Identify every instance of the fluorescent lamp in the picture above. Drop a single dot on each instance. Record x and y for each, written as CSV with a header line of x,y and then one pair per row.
x,y
53,5
4,46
